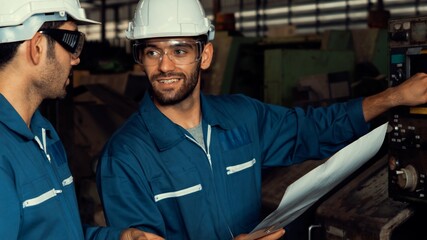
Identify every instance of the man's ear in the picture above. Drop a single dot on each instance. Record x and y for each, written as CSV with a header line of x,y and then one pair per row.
x,y
207,56
36,48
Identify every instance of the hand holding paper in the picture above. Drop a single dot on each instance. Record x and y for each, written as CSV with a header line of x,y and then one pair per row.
x,y
304,192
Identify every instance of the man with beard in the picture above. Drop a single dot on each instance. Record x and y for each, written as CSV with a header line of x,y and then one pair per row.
x,y
39,44
188,165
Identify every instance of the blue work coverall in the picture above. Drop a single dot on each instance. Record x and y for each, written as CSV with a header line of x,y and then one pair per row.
x,y
153,175
37,199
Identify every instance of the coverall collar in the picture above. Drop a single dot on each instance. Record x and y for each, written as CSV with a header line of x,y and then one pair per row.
x,y
167,134
11,119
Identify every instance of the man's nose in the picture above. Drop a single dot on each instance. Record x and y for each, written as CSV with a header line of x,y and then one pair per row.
x,y
165,63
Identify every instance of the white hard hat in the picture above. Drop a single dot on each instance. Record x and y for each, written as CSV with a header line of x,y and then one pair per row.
x,y
169,18
21,19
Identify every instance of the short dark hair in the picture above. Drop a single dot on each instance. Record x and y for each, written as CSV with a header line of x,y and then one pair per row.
x,y
8,50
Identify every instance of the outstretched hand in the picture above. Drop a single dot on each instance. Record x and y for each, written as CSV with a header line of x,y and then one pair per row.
x,y
411,92
136,234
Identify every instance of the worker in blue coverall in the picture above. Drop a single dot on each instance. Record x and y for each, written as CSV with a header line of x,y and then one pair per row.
x,y
39,44
187,165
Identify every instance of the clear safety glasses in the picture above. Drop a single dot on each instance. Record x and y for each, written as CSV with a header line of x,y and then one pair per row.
x,y
180,52
72,41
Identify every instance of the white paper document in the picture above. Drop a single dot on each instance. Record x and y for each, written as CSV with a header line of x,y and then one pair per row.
x,y
304,192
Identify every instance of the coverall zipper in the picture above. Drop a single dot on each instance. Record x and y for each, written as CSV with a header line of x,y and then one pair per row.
x,y
208,155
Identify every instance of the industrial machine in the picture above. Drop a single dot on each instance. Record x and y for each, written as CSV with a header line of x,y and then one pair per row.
x,y
408,136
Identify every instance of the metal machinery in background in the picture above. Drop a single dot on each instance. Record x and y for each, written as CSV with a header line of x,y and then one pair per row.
x,y
328,71
408,137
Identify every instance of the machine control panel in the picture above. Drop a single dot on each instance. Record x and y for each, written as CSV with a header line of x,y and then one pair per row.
x,y
408,31
407,137
407,158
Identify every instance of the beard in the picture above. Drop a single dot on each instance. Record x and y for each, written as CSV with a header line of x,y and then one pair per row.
x,y
170,98
53,81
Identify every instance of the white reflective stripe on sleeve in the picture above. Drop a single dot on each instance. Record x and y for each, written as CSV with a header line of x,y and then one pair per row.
x,y
179,193
37,200
240,167
67,181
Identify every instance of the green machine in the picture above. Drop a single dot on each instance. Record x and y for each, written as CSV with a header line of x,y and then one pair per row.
x,y
281,70
284,68
328,70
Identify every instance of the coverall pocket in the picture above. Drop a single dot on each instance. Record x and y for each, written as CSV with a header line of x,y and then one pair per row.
x,y
37,192
176,184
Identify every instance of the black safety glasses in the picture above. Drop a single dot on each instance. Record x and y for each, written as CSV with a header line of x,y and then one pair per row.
x,y
72,41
